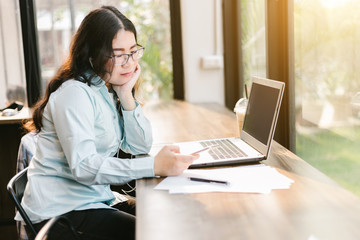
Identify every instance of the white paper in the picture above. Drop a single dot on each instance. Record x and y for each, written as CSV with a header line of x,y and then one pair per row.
x,y
250,179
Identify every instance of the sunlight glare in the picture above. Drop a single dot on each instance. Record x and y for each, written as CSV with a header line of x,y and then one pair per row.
x,y
334,3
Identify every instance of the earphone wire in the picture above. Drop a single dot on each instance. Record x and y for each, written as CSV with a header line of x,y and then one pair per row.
x,y
132,189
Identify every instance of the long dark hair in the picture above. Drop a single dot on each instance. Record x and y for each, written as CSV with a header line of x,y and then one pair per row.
x,y
90,48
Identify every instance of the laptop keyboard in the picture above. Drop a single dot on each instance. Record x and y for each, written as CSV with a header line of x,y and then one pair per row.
x,y
225,150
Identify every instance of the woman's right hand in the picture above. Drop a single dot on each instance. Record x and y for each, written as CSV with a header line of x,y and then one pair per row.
x,y
169,161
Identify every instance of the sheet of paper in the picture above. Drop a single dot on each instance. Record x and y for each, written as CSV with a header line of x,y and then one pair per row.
x,y
251,179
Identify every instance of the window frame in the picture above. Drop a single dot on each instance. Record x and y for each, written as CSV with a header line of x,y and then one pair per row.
x,y
31,51
32,59
279,60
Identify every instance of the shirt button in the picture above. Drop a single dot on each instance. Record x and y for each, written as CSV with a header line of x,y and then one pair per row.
x,y
138,115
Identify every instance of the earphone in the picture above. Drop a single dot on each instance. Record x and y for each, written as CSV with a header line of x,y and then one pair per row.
x,y
90,61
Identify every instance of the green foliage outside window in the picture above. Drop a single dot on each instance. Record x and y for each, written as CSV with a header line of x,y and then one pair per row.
x,y
152,20
327,87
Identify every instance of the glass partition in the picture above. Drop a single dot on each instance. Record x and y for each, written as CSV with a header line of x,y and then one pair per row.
x,y
327,87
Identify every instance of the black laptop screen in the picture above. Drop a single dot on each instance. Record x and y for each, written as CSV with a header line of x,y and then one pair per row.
x,y
261,111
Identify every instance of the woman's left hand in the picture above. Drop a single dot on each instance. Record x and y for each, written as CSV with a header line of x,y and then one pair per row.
x,y
128,86
124,91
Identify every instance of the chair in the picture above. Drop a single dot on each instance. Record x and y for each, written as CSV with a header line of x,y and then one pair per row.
x,y
45,232
15,188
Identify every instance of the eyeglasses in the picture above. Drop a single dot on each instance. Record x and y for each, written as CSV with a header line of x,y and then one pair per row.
x,y
122,59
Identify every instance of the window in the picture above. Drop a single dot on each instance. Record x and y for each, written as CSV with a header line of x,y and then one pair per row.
x,y
327,87
12,71
58,20
253,42
244,46
312,45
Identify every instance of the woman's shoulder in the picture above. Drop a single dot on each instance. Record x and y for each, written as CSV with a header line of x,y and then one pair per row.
x,y
73,92
73,87
76,84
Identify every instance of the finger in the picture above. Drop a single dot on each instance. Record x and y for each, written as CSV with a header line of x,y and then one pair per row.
x,y
186,158
138,68
137,71
195,155
174,148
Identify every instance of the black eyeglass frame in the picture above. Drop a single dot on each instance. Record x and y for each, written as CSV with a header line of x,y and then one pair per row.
x,y
128,55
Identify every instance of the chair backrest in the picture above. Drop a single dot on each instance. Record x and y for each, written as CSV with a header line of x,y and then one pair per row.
x,y
45,232
16,188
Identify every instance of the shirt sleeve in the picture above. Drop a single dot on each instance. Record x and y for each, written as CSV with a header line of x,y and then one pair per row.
x,y
73,113
137,137
21,158
26,150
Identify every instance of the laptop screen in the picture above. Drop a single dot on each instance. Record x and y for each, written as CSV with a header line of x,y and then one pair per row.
x,y
260,111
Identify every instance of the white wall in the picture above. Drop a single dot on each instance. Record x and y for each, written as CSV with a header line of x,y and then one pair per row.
x,y
202,36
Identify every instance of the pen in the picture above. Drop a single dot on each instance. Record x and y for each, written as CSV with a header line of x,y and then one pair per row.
x,y
206,148
207,180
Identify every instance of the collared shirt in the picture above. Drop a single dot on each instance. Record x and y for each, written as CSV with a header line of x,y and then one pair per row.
x,y
26,151
74,164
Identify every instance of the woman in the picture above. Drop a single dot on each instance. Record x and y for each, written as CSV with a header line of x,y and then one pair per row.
x,y
87,114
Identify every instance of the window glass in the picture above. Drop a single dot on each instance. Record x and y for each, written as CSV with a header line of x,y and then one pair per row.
x,y
327,87
253,43
58,20
12,71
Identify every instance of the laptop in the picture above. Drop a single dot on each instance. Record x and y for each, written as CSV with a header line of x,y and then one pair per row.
x,y
256,135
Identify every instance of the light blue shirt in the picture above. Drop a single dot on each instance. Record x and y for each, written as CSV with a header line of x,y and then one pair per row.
x,y
74,164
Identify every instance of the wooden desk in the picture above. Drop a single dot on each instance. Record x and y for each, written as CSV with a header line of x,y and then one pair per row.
x,y
24,114
314,207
